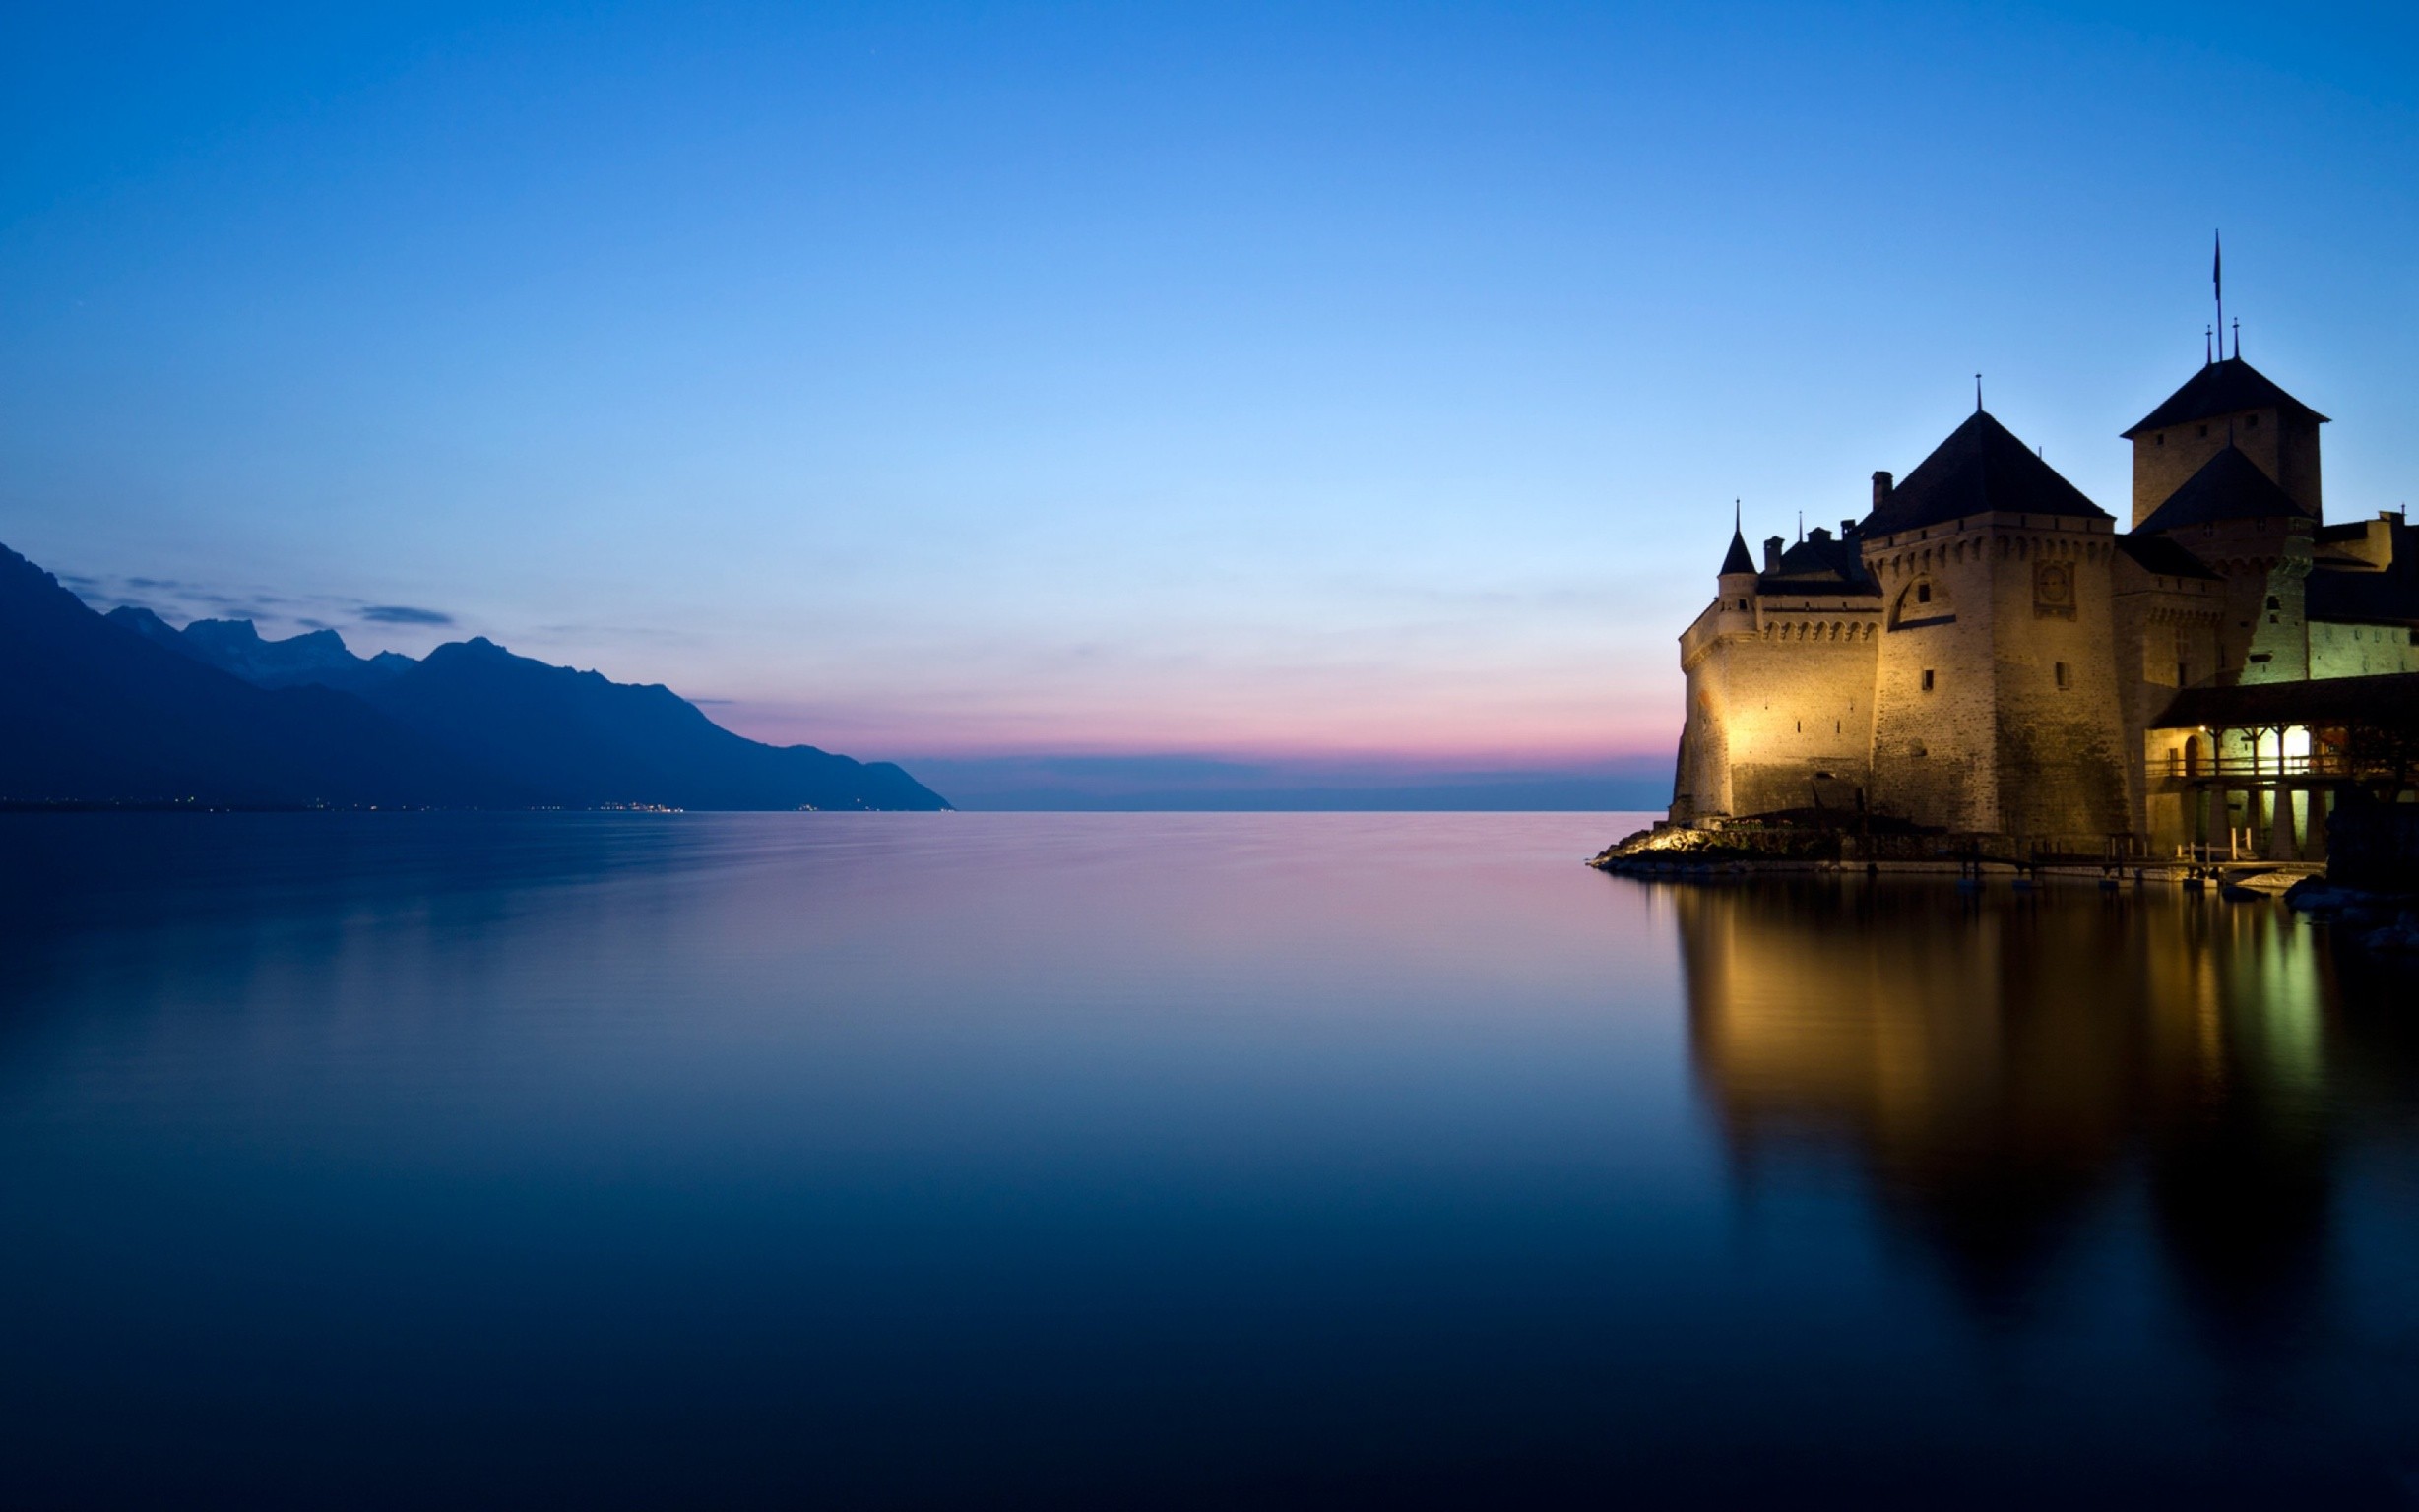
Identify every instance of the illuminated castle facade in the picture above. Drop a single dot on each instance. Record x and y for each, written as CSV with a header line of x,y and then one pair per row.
x,y
1987,652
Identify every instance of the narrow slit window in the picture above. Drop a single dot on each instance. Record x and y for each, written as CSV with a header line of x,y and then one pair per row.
x,y
1926,679
2062,674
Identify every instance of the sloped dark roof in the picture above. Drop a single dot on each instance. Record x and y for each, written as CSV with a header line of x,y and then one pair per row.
x,y
2157,555
2319,701
1823,563
2228,385
2228,487
1982,466
2349,595
1738,561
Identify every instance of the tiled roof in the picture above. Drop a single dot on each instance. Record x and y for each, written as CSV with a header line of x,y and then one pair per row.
x,y
1981,467
2226,387
2317,701
2228,487
2162,557
1738,561
1823,563
2350,596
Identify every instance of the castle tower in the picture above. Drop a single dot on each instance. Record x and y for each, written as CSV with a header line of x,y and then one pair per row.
x,y
1779,669
1735,585
2228,403
1996,708
2234,520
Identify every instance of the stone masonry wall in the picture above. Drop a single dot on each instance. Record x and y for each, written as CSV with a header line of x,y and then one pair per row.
x,y
1801,711
2063,754
1779,710
2361,650
2166,639
1936,751
2163,460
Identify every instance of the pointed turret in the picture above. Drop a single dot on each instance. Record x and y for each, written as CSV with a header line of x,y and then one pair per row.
x,y
1735,592
1738,561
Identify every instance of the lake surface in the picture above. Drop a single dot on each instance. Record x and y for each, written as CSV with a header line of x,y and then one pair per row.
x,y
1142,1161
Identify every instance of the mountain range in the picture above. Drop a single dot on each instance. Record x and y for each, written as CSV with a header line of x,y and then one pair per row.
x,y
127,708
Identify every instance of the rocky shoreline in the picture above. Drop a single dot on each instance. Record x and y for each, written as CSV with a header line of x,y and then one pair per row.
x,y
2383,921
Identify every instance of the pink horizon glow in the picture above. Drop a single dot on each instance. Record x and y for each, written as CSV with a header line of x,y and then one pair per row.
x,y
1411,741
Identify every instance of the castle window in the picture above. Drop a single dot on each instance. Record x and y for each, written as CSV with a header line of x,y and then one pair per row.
x,y
1926,679
2062,677
2273,603
1923,593
2204,430
2160,439
2251,423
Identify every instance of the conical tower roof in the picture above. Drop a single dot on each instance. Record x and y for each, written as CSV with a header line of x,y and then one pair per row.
x,y
1738,561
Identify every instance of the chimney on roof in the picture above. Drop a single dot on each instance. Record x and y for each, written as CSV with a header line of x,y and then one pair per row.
x,y
1880,489
1773,553
1847,528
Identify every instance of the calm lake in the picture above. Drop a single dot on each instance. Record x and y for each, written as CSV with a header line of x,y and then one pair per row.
x,y
1148,1161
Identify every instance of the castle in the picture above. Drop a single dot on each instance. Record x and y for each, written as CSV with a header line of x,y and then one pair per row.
x,y
1985,655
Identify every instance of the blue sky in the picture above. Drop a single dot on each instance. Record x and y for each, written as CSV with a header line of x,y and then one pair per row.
x,y
1300,385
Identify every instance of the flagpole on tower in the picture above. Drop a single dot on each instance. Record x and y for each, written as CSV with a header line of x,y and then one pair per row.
x,y
2217,275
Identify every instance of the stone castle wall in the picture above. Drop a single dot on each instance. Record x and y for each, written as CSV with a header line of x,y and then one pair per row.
x,y
2361,651
2286,451
1779,710
2165,640
2063,756
1936,752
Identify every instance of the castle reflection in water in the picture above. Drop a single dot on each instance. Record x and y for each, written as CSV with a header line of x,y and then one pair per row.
x,y
2001,1072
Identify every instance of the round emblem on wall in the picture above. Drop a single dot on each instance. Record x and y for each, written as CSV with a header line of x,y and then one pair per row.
x,y
2054,589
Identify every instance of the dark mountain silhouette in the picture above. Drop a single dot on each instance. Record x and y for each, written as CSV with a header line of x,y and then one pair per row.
x,y
127,708
235,645
594,741
96,713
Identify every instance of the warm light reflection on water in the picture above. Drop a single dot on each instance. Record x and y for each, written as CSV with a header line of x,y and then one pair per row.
x,y
1997,1066
1212,1160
